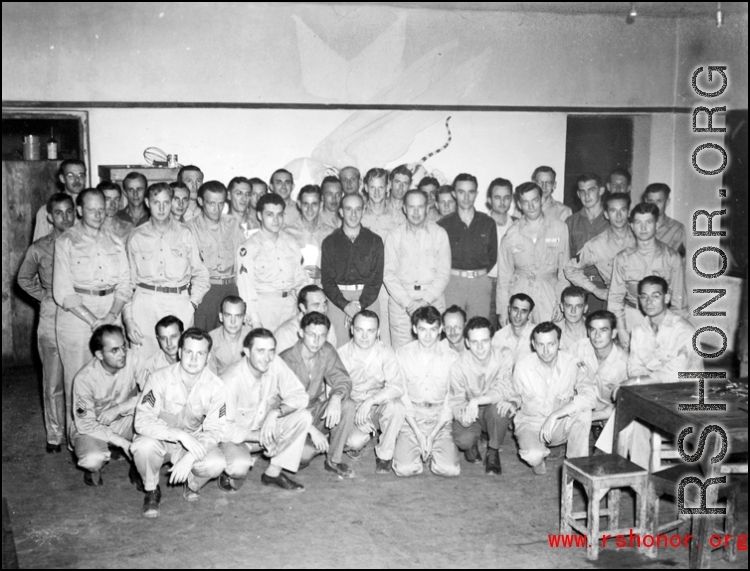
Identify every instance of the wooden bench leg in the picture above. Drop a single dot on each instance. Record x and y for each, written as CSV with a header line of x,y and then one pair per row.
x,y
566,501
594,498
647,514
730,525
613,508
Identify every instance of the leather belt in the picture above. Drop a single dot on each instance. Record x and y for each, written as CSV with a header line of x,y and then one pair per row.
x,y
95,292
163,289
427,404
469,273
221,281
275,293
355,287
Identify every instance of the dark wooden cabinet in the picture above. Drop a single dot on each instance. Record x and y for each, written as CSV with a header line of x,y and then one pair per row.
x,y
26,186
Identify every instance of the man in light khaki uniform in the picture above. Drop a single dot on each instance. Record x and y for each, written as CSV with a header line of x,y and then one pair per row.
x,y
554,396
164,262
229,336
35,278
113,223
531,258
516,336
217,238
425,367
180,418
332,192
417,267
90,285
648,257
266,410
601,250
454,321
545,178
310,298
72,176
269,266
668,230
168,331
377,388
574,307
105,392
282,184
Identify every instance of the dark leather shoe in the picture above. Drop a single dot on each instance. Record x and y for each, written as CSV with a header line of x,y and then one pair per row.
x,y
340,469
492,463
50,448
116,454
151,503
135,478
90,480
473,456
229,484
383,466
282,481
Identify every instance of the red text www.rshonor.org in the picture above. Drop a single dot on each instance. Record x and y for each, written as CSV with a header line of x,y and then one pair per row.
x,y
574,540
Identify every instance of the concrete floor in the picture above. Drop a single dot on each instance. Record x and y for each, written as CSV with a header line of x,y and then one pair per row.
x,y
372,521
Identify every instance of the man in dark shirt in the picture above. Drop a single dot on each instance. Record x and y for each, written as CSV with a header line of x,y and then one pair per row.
x,y
136,212
316,364
473,240
586,224
351,267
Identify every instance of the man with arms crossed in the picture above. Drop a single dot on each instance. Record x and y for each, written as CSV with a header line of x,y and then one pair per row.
x,y
426,434
266,410
377,388
319,368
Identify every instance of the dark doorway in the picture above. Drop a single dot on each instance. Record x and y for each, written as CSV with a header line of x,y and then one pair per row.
x,y
735,183
595,143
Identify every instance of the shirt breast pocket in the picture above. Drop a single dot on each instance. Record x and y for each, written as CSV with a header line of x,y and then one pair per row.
x,y
178,264
82,266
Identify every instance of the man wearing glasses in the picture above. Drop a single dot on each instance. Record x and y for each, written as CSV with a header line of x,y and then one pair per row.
x,y
72,176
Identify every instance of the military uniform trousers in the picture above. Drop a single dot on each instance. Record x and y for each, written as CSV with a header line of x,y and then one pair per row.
x,y
336,435
341,323
151,454
53,394
207,314
291,432
73,335
489,421
473,295
93,453
386,418
400,322
571,429
275,310
407,458
150,306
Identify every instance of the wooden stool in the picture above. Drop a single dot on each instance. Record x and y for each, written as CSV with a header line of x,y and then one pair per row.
x,y
702,526
600,476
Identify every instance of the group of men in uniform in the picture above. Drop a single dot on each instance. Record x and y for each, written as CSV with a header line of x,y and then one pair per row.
x,y
257,322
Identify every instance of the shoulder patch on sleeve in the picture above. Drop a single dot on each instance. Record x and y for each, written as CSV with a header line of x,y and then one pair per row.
x,y
243,252
80,410
243,269
223,410
149,399
581,365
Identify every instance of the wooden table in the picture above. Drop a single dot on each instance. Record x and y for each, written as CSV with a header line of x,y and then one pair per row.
x,y
657,405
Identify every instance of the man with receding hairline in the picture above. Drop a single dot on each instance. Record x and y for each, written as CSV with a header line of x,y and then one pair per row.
x,y
350,179
72,177
546,179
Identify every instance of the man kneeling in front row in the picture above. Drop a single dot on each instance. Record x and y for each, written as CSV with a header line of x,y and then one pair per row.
x,y
554,397
180,419
265,411
319,368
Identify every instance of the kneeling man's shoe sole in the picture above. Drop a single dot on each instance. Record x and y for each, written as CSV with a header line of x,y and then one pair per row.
x,y
282,481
